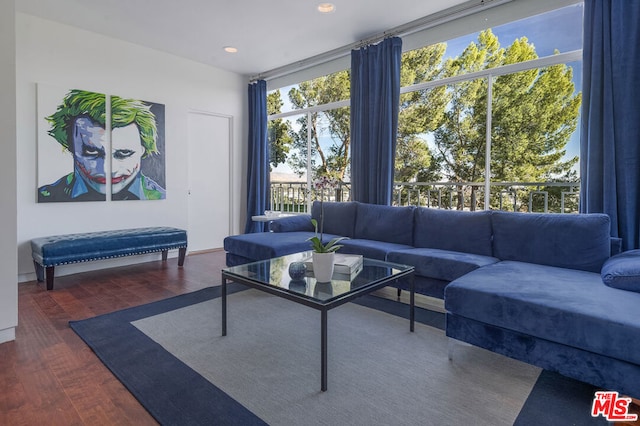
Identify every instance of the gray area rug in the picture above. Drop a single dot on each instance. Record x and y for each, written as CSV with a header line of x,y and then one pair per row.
x,y
379,373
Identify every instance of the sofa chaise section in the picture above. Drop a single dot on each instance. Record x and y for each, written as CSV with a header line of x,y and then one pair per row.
x,y
556,304
547,305
559,319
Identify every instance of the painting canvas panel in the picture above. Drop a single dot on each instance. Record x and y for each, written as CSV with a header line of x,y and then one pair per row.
x,y
138,150
71,145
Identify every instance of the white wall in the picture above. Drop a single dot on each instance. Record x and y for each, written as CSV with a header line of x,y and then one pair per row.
x,y
67,57
8,284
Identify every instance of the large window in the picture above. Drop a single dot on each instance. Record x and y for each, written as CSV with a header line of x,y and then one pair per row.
x,y
488,120
489,124
309,137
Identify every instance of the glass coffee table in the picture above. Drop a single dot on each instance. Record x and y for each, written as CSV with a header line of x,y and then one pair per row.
x,y
272,276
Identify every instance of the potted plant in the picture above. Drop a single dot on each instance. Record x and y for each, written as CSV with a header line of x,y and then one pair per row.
x,y
323,254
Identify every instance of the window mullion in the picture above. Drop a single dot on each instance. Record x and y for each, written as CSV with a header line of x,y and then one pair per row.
x,y
309,152
487,156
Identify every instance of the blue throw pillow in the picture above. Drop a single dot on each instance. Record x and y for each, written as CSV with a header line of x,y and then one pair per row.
x,y
622,271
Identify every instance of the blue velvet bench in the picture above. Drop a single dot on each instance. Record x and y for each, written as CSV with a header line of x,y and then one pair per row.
x,y
49,252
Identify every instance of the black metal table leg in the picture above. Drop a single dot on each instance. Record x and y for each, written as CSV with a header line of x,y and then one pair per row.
x,y
323,338
223,296
412,303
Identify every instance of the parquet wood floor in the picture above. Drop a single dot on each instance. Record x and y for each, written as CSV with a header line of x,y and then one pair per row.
x,y
48,376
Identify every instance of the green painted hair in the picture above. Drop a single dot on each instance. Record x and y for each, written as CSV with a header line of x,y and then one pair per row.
x,y
80,103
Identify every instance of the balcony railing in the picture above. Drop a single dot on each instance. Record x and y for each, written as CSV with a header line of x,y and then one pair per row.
x,y
546,197
295,197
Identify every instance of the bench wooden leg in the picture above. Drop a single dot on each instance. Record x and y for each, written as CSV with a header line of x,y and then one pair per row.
x,y
49,275
181,254
165,254
39,271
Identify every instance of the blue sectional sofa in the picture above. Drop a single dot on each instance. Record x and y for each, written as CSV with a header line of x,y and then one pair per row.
x,y
547,289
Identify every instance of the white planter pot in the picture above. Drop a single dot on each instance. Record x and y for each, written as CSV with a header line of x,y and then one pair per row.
x,y
323,266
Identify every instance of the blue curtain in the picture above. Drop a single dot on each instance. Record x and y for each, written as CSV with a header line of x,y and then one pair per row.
x,y
375,102
610,139
258,162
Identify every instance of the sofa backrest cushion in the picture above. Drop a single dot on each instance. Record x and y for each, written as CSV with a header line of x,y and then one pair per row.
x,y
455,230
385,223
294,223
339,217
576,241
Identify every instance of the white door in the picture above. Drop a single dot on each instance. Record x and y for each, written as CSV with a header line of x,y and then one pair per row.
x,y
209,207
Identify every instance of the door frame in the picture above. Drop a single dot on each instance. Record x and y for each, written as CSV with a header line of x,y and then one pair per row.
x,y
230,160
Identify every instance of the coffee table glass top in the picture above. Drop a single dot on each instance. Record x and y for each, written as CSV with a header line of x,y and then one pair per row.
x,y
275,273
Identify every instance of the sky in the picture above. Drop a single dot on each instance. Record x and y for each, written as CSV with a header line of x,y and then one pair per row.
x,y
560,29
556,30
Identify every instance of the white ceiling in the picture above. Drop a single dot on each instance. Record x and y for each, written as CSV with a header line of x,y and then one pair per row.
x,y
267,34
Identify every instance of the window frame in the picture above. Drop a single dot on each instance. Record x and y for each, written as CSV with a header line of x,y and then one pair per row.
x,y
490,74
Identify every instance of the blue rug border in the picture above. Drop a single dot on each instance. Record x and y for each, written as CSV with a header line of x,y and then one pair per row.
x,y
112,334
554,399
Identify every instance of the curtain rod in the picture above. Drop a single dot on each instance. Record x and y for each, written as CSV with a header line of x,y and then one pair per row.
x,y
439,18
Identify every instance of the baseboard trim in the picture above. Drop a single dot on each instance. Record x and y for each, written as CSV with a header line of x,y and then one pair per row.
x,y
8,334
205,251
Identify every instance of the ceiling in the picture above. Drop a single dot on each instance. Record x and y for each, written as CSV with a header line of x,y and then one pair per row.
x,y
267,34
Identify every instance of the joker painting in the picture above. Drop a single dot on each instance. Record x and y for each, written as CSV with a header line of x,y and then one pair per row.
x,y
137,147
78,126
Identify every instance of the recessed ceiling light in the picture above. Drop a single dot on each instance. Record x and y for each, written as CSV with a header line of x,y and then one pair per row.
x,y
230,49
326,7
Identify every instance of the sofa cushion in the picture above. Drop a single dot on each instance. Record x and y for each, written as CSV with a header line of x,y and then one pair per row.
x,y
454,230
293,223
339,218
623,271
266,245
370,248
565,306
385,223
441,264
298,222
577,241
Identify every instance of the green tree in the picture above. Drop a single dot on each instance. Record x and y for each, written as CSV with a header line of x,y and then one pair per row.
x,y
333,161
534,113
421,111
278,131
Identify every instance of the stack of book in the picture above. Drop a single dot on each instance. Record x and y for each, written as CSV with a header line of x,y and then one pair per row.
x,y
345,266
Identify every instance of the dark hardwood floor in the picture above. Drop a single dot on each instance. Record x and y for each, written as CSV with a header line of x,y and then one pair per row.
x,y
48,376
